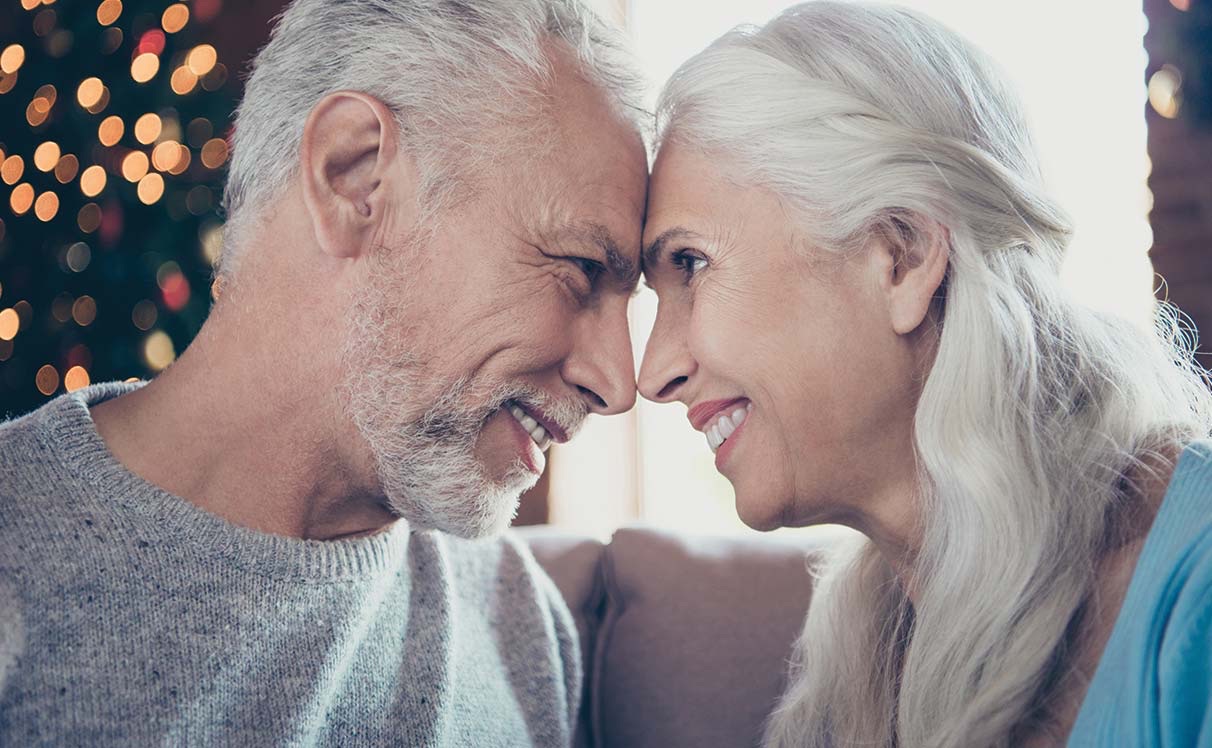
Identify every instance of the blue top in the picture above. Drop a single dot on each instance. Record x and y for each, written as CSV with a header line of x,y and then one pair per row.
x,y
1153,685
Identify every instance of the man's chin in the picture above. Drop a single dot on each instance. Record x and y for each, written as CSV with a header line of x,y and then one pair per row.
x,y
481,514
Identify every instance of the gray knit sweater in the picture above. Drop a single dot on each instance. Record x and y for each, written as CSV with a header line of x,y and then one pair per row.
x,y
130,617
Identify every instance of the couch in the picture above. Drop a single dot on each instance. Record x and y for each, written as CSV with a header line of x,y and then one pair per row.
x,y
685,639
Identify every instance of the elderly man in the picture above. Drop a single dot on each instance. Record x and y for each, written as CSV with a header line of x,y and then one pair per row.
x,y
291,536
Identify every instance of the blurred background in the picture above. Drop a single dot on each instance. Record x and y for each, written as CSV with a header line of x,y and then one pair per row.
x,y
114,124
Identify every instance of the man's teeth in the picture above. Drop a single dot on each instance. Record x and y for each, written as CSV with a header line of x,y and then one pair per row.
x,y
719,431
537,432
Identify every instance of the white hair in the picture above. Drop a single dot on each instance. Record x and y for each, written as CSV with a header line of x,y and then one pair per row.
x,y
464,78
1038,416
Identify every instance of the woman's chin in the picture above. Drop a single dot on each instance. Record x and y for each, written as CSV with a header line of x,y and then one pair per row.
x,y
762,513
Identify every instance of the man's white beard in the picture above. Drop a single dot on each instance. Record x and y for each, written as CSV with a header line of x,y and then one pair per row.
x,y
425,461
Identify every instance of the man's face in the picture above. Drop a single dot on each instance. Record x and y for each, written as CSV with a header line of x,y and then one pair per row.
x,y
469,351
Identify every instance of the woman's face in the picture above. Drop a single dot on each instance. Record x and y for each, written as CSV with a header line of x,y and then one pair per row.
x,y
796,343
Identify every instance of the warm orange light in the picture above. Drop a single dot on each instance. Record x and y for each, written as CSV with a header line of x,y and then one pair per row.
x,y
166,155
147,128
109,11
1183,5
47,380
183,81
182,164
89,218
134,166
158,350
175,17
46,156
49,93
101,102
30,4
76,378
89,92
12,169
84,311
92,181
10,323
151,188
22,198
201,59
67,168
47,206
110,131
145,67
36,113
7,82
12,58
214,153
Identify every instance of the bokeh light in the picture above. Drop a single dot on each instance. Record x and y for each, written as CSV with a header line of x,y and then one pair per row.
x,y
158,351
92,181
183,81
10,324
76,378
12,58
89,218
214,153
46,156
78,257
84,311
12,169
151,188
166,155
109,11
67,168
110,131
89,92
22,198
144,315
134,166
47,380
1165,91
175,17
147,128
144,67
47,206
201,59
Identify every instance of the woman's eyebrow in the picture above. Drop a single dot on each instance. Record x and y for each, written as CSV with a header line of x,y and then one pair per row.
x,y
653,251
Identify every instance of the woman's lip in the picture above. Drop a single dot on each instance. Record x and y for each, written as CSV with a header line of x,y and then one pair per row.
x,y
702,414
532,456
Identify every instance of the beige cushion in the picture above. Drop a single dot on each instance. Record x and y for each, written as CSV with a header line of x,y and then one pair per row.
x,y
694,646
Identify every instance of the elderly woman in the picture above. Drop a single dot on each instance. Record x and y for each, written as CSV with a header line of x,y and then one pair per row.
x,y
857,271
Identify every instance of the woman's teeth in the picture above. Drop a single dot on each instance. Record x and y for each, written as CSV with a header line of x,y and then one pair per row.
x,y
537,432
719,431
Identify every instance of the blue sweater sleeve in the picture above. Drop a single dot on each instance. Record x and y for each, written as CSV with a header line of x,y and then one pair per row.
x,y
1185,673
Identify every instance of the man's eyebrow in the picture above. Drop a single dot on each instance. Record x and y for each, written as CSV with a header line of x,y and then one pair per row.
x,y
625,272
653,251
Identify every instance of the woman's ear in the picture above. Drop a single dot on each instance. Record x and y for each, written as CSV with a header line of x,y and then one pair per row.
x,y
912,254
350,171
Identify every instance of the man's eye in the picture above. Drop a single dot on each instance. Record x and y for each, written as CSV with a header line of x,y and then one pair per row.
x,y
687,262
591,268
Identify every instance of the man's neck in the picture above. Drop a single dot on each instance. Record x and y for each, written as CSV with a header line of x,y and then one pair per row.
x,y
233,428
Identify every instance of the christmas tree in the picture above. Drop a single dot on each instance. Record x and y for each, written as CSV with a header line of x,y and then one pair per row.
x,y
114,137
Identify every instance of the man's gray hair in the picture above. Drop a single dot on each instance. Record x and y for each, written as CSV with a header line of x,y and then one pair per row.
x,y
464,78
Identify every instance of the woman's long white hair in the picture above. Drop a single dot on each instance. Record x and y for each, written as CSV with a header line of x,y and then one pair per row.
x,y
1037,417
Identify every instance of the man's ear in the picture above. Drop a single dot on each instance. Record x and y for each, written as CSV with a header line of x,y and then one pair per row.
x,y
913,252
349,170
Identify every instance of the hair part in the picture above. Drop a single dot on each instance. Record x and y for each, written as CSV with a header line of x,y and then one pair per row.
x,y
1037,416
465,81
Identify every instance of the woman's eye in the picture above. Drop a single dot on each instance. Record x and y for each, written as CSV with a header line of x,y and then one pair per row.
x,y
688,262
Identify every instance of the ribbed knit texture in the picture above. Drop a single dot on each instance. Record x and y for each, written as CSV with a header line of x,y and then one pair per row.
x,y
1153,685
131,617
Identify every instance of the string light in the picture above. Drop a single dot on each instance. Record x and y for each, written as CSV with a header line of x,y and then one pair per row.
x,y
76,378
108,12
151,188
183,81
10,324
22,198
12,58
201,59
12,169
89,92
166,155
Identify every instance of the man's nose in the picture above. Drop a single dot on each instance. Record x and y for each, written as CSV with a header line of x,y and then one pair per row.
x,y
667,364
601,365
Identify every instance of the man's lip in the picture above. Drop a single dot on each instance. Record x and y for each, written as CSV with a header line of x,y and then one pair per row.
x,y
557,434
701,414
